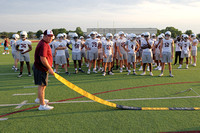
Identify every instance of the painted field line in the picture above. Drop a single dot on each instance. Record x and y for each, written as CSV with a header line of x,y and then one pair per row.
x,y
111,100
3,119
21,104
24,94
30,86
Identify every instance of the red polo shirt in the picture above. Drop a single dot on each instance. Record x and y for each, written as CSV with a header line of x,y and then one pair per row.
x,y
42,49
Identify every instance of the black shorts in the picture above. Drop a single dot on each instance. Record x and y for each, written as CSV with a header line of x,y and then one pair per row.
x,y
40,77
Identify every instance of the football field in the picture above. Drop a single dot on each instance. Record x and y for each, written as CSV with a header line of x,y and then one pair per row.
x,y
74,113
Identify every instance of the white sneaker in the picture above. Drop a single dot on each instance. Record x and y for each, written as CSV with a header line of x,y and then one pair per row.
x,y
141,68
134,73
104,74
3,53
156,68
148,68
179,67
123,66
171,75
88,65
45,107
37,100
194,64
110,73
13,68
88,72
161,75
94,71
186,67
144,73
8,53
121,71
129,72
151,74
160,68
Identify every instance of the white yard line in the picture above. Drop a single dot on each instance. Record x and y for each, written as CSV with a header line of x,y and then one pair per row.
x,y
30,86
3,119
112,100
21,104
24,94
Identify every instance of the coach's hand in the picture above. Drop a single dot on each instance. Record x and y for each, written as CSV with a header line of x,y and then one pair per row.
x,y
51,71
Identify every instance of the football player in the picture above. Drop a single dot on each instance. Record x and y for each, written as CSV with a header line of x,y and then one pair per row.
x,y
157,52
167,52
83,51
15,53
186,49
131,50
60,58
24,47
108,53
178,43
115,38
100,54
147,57
66,50
52,46
92,44
76,51
195,42
121,50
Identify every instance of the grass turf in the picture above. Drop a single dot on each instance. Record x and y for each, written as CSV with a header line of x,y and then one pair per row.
x,y
94,117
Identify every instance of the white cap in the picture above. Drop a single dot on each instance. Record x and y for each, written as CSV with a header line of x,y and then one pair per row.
x,y
48,32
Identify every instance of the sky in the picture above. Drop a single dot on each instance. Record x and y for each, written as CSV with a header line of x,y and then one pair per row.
x,y
32,15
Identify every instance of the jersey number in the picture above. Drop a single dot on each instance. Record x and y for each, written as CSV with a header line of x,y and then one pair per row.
x,y
94,44
166,44
76,45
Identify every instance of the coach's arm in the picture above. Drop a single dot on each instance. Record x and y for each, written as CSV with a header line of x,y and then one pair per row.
x,y
46,64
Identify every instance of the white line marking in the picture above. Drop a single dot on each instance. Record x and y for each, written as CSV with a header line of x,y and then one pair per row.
x,y
24,94
22,104
30,86
3,119
112,100
195,92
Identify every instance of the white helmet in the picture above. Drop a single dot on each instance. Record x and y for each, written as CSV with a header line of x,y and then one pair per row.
x,y
59,35
193,35
23,34
121,33
185,36
93,33
88,36
162,34
132,36
81,37
160,37
147,34
64,35
42,35
15,36
139,36
153,35
168,33
98,35
142,34
75,35
108,35
116,35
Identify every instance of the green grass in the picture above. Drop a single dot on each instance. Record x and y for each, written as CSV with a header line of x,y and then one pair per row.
x,y
94,117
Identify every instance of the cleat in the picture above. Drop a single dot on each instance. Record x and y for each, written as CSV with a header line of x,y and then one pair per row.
x,y
186,67
94,71
148,68
171,75
45,107
134,73
179,67
161,75
104,74
144,73
19,76
151,74
67,73
29,75
80,70
141,68
88,72
110,73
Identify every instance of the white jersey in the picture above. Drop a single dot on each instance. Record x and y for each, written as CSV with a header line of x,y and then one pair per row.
x,y
121,43
52,45
76,46
131,46
178,45
92,44
144,44
185,46
67,41
108,47
13,45
60,44
167,45
23,45
158,47
193,42
82,42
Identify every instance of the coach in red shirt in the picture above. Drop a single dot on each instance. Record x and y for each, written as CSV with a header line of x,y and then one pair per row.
x,y
42,67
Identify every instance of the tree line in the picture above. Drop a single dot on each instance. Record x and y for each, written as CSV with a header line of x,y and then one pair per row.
x,y
34,35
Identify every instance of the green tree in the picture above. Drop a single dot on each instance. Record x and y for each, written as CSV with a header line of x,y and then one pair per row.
x,y
175,32
198,36
38,33
31,34
79,31
188,32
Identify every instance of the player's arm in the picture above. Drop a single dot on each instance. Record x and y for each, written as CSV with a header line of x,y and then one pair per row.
x,y
172,49
69,46
138,46
126,48
29,49
149,45
17,48
82,45
161,46
119,51
99,45
104,52
46,64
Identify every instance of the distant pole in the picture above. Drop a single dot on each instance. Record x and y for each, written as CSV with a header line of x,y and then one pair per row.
x,y
98,26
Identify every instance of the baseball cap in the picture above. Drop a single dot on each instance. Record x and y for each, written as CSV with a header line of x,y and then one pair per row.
x,y
48,33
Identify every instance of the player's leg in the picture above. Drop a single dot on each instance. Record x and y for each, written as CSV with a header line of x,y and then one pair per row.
x,y
187,62
64,62
176,57
21,68
28,68
105,68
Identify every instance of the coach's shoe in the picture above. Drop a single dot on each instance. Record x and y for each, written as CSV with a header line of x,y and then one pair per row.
x,y
161,75
104,74
171,75
144,73
151,74
19,76
45,107
140,68
37,100
186,67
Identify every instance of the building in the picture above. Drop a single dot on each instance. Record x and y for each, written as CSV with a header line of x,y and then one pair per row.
x,y
136,31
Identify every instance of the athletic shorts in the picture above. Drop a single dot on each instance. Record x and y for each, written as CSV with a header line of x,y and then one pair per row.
x,y
147,57
6,48
100,56
124,56
83,54
67,53
60,59
131,57
53,57
24,57
138,54
166,57
87,56
40,77
108,59
93,56
184,54
76,56
157,56
117,56
194,52
15,55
